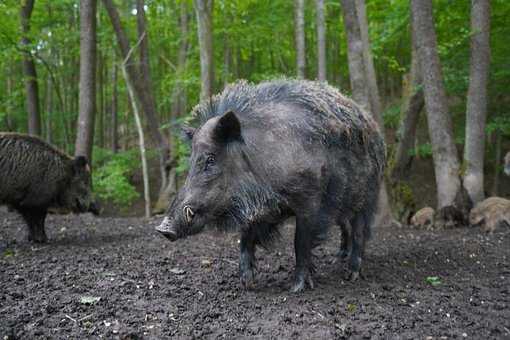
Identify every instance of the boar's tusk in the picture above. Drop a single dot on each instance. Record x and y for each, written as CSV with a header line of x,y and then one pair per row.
x,y
188,214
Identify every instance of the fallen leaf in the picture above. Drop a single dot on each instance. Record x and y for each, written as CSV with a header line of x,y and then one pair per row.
x,y
89,300
433,280
177,271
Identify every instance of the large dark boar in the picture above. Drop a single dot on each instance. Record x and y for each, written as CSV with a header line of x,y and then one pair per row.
x,y
34,176
282,148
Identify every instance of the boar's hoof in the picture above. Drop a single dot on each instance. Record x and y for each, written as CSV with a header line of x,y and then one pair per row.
x,y
300,283
342,254
355,276
38,238
247,278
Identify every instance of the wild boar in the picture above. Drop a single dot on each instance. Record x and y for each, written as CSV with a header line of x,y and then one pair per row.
x,y
424,218
263,153
490,213
35,176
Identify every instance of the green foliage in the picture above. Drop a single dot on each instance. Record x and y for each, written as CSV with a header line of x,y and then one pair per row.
x,y
403,201
111,176
423,150
499,124
391,117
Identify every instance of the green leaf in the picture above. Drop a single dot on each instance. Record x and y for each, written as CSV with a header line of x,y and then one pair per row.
x,y
351,308
433,280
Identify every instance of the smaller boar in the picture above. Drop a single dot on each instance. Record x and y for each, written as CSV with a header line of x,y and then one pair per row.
x,y
35,176
490,213
424,218
507,164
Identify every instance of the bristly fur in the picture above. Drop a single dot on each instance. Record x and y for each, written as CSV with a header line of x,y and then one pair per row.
x,y
253,206
13,137
336,119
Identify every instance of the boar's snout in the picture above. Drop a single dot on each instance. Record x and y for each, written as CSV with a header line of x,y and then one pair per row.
x,y
94,208
168,229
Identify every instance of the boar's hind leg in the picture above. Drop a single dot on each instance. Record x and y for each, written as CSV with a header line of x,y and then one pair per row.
x,y
345,240
247,258
360,231
304,240
35,220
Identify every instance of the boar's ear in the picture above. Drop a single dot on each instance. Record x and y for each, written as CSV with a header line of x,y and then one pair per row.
x,y
228,128
80,163
188,132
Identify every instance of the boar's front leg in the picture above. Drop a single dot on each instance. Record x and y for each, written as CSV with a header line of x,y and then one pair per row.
x,y
247,258
34,217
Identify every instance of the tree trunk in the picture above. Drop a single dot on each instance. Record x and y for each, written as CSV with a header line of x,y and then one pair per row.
x,y
114,115
141,88
299,31
141,141
87,98
384,216
321,41
444,152
368,61
100,100
49,110
477,100
413,103
227,57
29,71
497,162
355,55
204,11
179,101
8,110
362,82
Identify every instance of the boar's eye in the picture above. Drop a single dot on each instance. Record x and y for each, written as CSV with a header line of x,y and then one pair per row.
x,y
210,160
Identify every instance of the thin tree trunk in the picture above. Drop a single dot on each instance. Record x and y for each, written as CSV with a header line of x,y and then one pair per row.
x,y
114,115
299,31
477,100
179,98
49,110
140,85
8,114
355,55
413,103
141,141
204,11
29,71
87,98
100,100
444,152
321,41
227,57
495,184
363,83
371,80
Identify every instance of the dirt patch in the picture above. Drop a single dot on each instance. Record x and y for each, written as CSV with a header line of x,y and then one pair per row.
x,y
116,278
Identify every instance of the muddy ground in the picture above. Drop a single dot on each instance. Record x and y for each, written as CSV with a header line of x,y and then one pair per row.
x,y
116,278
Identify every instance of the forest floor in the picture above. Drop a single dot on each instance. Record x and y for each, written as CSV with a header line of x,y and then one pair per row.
x,y
117,278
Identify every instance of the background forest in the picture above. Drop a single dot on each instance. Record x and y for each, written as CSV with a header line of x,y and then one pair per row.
x,y
173,52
